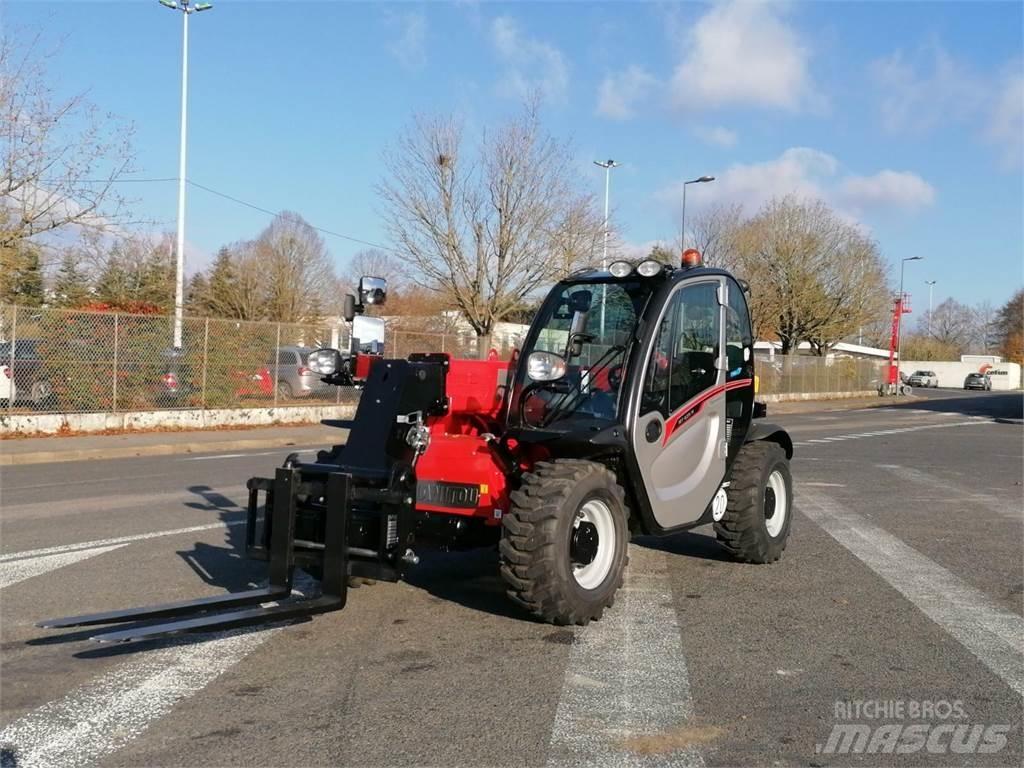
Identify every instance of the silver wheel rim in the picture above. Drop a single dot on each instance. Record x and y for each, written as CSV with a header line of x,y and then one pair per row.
x,y
775,518
598,514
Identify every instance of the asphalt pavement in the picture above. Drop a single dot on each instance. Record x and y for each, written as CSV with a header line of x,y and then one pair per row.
x,y
899,604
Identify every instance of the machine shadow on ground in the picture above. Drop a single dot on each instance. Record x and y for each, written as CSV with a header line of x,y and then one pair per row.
x,y
703,546
226,567
470,579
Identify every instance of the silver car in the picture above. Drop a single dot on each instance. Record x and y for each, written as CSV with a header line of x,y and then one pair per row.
x,y
291,375
923,379
977,381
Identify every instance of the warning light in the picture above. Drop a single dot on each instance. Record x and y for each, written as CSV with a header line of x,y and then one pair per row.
x,y
691,258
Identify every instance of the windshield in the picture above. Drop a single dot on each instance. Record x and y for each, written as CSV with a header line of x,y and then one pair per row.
x,y
590,325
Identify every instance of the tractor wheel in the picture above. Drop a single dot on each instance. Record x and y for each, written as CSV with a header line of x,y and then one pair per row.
x,y
760,504
563,545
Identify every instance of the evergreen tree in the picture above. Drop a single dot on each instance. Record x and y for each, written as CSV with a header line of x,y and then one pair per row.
x,y
70,286
222,285
22,281
197,296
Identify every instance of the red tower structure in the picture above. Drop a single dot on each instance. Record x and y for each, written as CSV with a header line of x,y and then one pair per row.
x,y
900,307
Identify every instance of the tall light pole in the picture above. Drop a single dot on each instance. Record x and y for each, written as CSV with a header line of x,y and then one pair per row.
x,y
899,325
607,165
682,226
931,285
187,8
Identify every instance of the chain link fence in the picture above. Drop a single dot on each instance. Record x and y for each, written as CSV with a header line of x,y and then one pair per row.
x,y
805,374
65,361
68,361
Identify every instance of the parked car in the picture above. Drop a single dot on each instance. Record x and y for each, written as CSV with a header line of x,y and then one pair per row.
x,y
26,377
253,384
291,375
923,379
978,381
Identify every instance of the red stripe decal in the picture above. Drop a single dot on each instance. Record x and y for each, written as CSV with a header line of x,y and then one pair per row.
x,y
692,407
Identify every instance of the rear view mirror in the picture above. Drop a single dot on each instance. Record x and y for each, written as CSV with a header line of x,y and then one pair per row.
x,y
373,290
367,335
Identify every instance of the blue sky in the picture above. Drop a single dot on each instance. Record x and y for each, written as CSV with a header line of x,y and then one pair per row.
x,y
903,116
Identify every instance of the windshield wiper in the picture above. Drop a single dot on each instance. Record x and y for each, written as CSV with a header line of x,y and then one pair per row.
x,y
570,401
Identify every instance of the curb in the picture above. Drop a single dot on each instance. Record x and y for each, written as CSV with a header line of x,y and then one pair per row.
x,y
127,452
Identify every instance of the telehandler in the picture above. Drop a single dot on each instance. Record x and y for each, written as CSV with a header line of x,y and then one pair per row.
x,y
629,410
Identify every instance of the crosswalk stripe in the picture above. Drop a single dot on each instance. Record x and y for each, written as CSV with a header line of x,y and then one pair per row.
x,y
13,571
1009,509
993,635
627,681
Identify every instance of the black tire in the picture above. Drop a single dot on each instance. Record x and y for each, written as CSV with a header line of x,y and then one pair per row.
x,y
744,530
537,540
284,390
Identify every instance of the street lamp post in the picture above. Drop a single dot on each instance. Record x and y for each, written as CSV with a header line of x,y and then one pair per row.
x,y
607,165
931,285
187,8
682,226
899,325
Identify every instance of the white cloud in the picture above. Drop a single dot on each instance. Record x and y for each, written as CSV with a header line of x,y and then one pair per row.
x,y
809,174
532,66
1006,120
410,45
924,89
716,134
900,189
619,95
743,53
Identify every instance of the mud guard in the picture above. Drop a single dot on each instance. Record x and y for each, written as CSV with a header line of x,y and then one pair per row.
x,y
773,433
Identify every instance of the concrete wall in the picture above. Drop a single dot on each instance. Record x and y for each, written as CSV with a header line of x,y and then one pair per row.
x,y
1005,376
54,423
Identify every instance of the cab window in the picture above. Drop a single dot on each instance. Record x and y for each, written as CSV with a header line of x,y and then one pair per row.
x,y
682,363
737,333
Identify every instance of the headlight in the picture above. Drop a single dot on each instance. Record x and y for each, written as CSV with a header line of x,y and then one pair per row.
x,y
620,268
649,268
324,361
545,366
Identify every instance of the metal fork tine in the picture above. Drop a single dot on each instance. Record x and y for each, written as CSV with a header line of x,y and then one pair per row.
x,y
217,602
221,621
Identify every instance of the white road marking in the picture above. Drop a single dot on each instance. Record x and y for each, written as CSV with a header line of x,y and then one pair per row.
x,y
823,485
105,714
857,435
30,553
11,572
626,678
109,503
993,635
246,455
990,502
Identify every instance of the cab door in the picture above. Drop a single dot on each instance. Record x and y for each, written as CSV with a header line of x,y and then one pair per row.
x,y
679,438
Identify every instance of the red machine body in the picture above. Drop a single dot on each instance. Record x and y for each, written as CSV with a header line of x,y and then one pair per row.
x,y
459,474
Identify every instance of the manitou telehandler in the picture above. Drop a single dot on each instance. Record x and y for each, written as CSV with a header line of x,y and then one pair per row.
x,y
629,410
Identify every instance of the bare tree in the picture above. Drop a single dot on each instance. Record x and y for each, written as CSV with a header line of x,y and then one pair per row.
x,y
297,271
714,232
485,228
984,321
61,158
951,324
814,276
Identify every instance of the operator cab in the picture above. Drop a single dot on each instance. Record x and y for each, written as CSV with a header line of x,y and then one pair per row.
x,y
648,362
